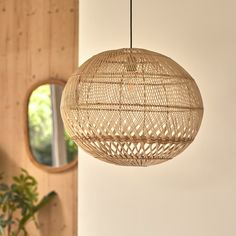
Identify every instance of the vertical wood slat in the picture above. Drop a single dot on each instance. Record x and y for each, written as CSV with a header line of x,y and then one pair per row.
x,y
38,41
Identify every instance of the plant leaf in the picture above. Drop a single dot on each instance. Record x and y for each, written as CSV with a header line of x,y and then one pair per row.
x,y
41,204
4,187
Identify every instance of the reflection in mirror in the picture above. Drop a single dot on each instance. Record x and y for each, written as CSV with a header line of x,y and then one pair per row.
x,y
49,143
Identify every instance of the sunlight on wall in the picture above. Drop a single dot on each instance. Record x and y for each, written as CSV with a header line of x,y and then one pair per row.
x,y
194,194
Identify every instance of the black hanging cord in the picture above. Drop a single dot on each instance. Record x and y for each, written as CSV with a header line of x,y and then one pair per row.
x,y
131,23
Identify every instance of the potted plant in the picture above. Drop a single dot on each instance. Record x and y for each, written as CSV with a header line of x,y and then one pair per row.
x,y
19,203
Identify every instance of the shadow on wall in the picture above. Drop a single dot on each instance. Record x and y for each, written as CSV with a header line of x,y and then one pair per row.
x,y
50,214
6,164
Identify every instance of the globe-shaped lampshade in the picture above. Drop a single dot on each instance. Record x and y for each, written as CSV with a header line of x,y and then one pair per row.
x,y
132,107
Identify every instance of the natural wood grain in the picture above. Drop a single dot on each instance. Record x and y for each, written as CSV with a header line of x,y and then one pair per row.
x,y
38,41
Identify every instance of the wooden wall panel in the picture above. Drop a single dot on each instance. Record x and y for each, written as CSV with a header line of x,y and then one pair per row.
x,y
38,41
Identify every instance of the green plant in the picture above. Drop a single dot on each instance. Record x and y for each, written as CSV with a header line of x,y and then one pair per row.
x,y
19,204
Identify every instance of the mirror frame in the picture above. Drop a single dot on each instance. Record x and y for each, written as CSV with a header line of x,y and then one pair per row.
x,y
46,168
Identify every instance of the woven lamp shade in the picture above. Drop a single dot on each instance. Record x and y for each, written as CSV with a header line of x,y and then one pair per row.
x,y
132,107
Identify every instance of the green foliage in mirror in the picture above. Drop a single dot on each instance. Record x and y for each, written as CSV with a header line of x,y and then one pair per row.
x,y
45,126
40,124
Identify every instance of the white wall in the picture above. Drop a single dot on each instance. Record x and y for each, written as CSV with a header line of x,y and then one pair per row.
x,y
194,194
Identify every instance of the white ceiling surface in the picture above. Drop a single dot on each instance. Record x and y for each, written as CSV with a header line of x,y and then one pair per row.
x,y
195,193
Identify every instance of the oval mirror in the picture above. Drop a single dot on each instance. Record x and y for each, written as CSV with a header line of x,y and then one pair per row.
x,y
50,146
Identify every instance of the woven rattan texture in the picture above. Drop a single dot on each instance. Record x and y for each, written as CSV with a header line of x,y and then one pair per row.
x,y
132,107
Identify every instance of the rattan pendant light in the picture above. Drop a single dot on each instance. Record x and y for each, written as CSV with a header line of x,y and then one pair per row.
x,y
132,107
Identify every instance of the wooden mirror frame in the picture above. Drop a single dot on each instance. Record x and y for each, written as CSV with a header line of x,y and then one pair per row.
x,y
49,169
